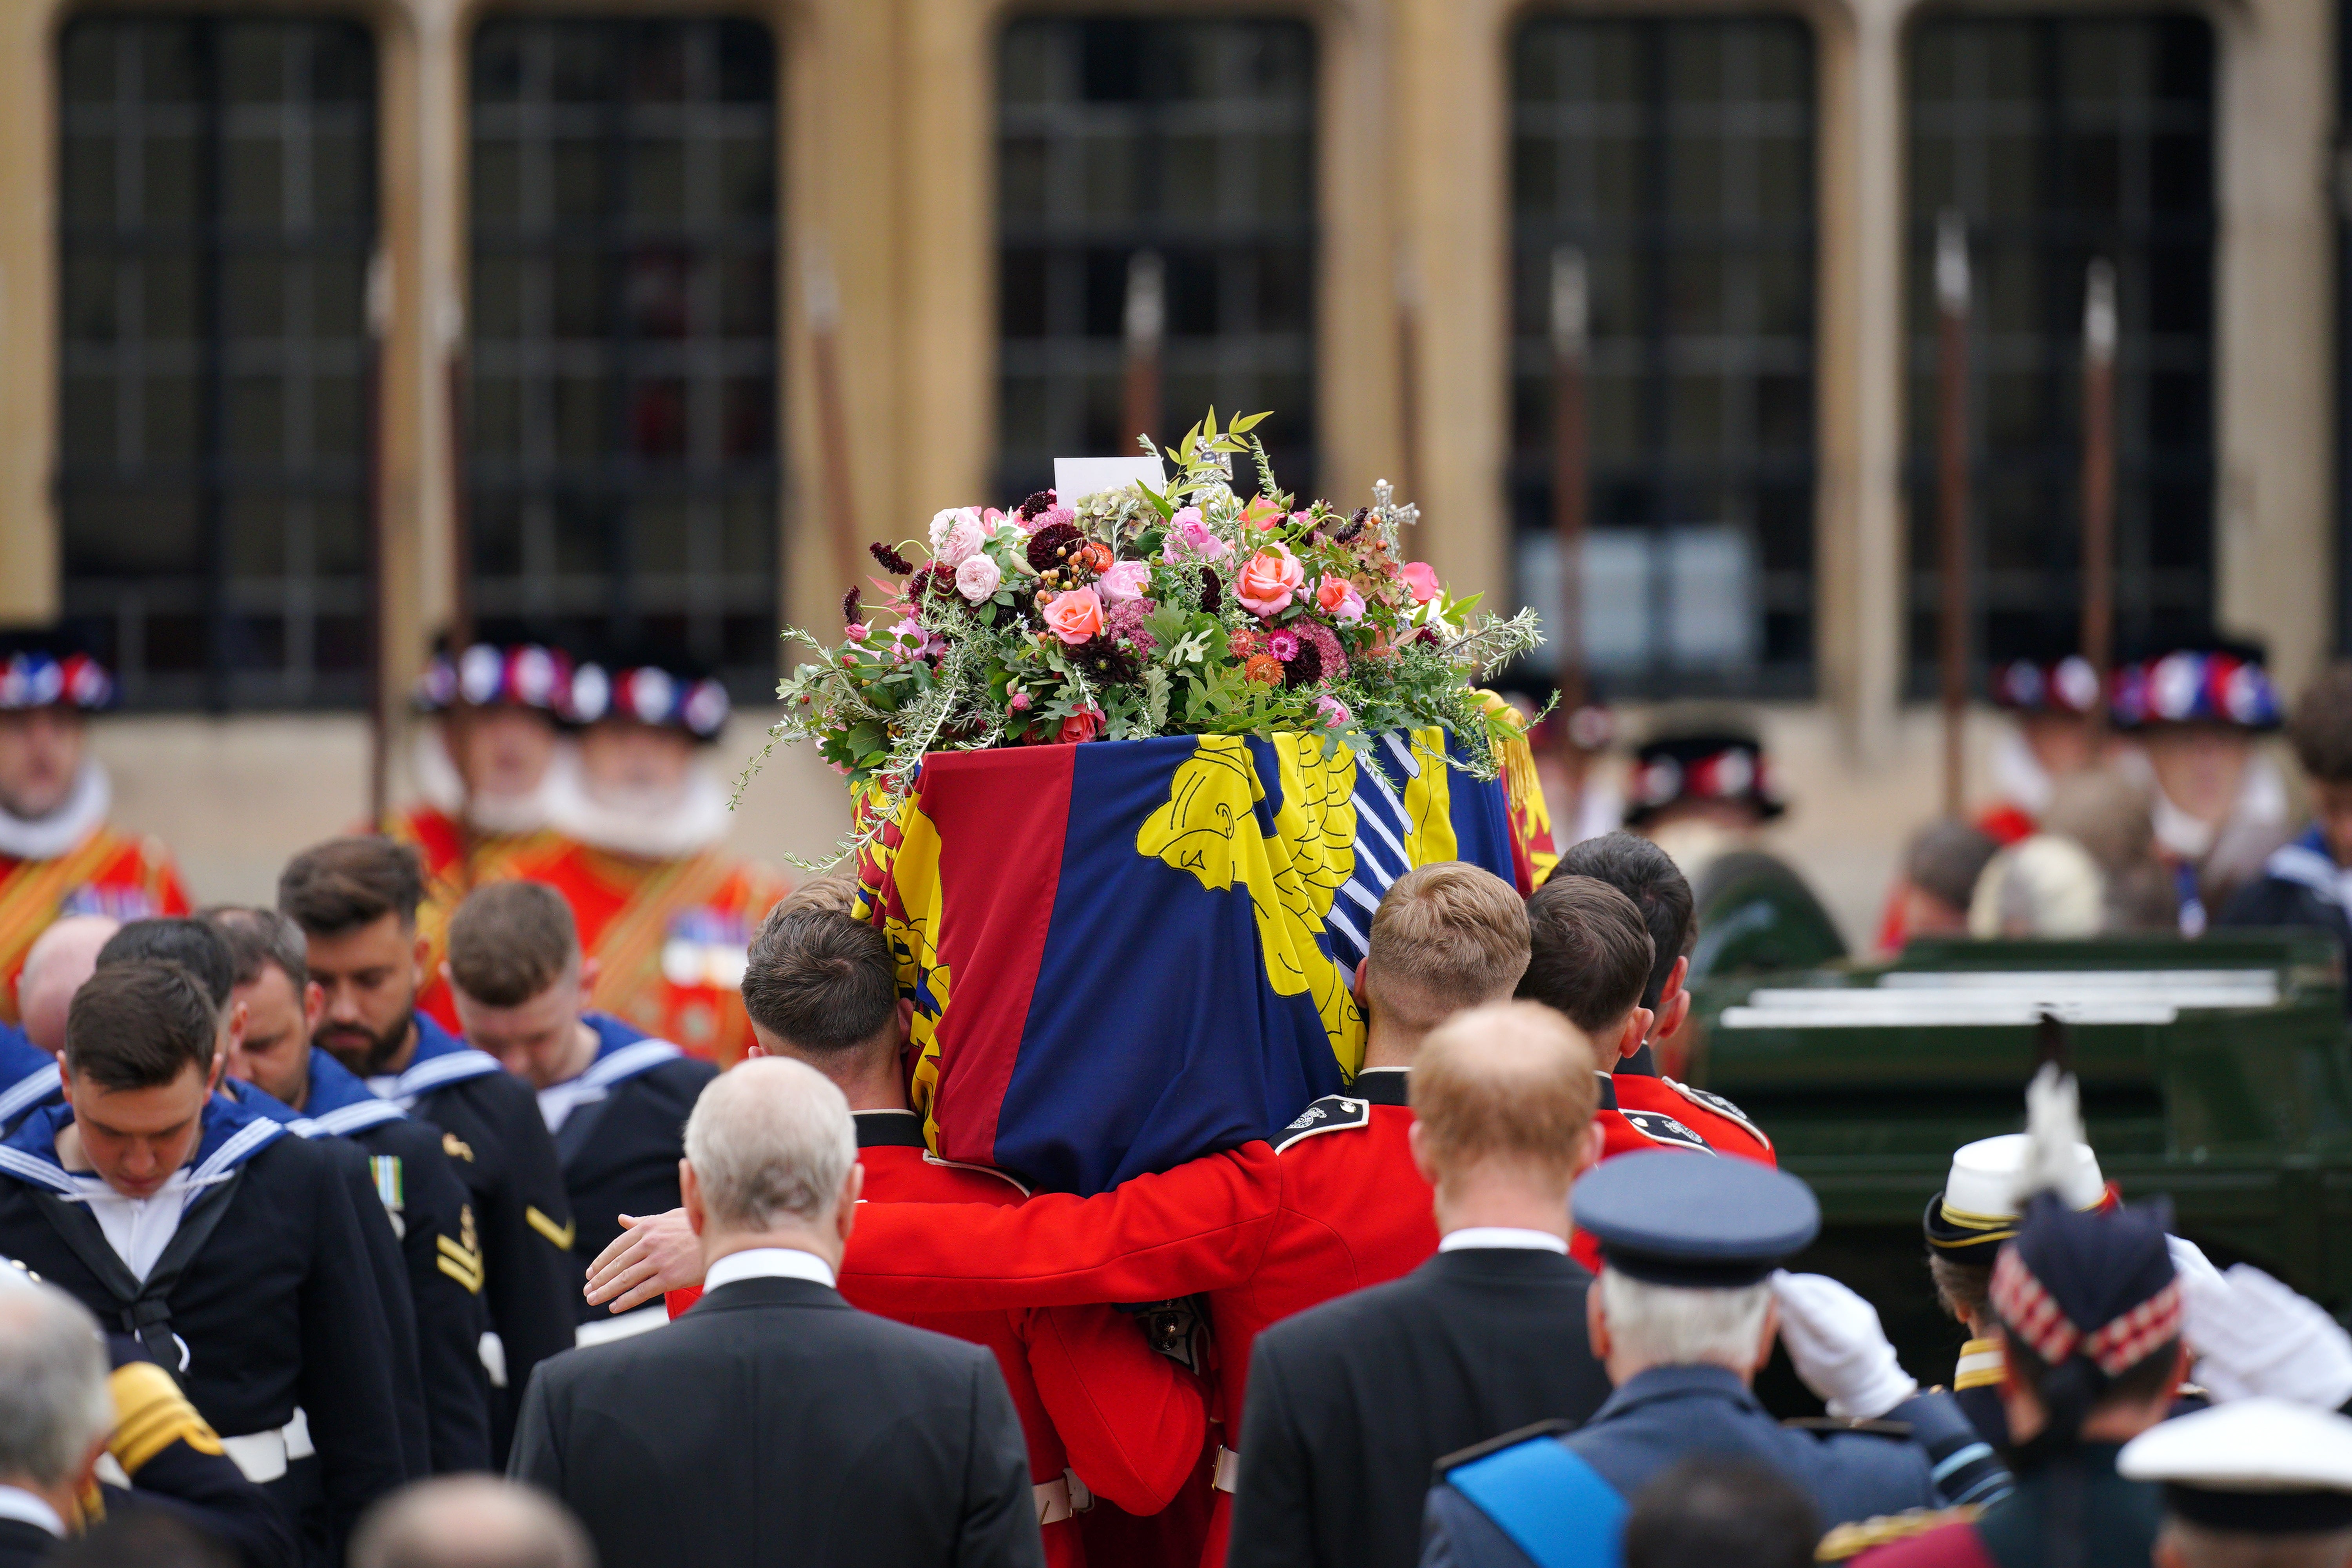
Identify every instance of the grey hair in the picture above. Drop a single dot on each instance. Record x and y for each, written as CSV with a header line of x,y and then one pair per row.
x,y
771,1142
1674,1325
470,1521
54,1398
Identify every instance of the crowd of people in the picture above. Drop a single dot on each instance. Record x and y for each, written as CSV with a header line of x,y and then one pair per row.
x,y
532,1186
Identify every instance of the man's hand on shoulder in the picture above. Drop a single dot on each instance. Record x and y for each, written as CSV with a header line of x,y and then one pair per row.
x,y
651,1256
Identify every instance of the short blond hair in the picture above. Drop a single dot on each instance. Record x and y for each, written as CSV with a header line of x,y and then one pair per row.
x,y
1445,937
1512,1083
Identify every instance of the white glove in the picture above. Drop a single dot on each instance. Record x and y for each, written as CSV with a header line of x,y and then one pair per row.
x,y
2190,1262
1840,1351
2257,1337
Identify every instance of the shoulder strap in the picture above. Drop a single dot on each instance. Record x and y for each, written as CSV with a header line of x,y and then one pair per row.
x,y
1719,1105
1553,1506
1333,1113
28,1092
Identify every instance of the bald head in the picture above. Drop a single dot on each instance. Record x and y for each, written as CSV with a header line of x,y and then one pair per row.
x,y
470,1521
1505,1091
771,1145
61,958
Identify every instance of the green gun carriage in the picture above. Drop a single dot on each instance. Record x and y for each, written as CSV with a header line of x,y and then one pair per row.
x,y
2217,1072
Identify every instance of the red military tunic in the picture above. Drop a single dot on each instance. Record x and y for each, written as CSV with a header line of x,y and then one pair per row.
x,y
1095,1400
107,873
1639,1111
667,936
457,861
1353,1212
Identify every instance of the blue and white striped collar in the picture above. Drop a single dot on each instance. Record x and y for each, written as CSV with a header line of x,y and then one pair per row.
x,y
2308,863
339,1104
234,1132
441,1059
622,1053
28,1076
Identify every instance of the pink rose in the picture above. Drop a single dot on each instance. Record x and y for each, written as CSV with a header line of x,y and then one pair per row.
x,y
1334,712
1075,616
1190,535
1261,513
857,631
946,522
978,577
1422,578
1125,580
1340,600
961,543
1018,702
1083,725
1269,580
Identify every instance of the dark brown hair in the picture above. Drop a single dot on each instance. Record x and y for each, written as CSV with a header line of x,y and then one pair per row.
x,y
1647,875
509,941
2320,727
346,883
820,980
192,944
1591,956
139,1025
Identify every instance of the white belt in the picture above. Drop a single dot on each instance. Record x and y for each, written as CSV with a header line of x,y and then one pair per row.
x,y
1228,1476
493,1351
600,1330
1065,1497
264,1456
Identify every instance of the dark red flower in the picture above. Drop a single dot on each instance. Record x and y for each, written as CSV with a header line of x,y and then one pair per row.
x,y
1053,544
1042,500
849,605
1212,592
892,561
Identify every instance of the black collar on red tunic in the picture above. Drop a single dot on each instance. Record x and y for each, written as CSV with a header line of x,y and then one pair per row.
x,y
889,1130
1381,1086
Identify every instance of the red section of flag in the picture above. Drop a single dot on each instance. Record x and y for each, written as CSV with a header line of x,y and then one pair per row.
x,y
1001,817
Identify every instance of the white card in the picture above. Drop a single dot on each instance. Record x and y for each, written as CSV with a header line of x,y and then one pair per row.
x,y
1075,479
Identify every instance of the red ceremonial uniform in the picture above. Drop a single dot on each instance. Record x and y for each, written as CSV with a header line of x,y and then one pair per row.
x,y
457,861
667,936
1353,1212
1639,1112
1095,1400
107,873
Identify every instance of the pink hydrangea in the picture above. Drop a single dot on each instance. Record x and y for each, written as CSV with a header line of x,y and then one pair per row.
x,y
1125,624
1333,657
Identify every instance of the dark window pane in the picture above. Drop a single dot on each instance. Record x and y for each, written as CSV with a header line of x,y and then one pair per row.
x,y
1191,139
219,209
2062,139
1675,158
623,402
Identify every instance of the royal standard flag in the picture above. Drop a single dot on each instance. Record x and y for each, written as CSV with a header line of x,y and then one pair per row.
x,y
1128,953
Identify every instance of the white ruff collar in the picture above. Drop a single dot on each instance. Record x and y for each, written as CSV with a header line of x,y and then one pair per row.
x,y
687,823
79,815
438,783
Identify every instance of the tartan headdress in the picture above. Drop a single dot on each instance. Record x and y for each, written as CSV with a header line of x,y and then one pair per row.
x,y
2095,1285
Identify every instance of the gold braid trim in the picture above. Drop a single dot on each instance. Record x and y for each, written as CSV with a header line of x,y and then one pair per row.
x,y
151,1414
1853,1540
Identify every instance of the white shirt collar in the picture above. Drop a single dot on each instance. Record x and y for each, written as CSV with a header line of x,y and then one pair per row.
x,y
15,1502
1478,1237
767,1263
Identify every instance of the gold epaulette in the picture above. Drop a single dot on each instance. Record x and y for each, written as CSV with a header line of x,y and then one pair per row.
x,y
151,1414
1853,1540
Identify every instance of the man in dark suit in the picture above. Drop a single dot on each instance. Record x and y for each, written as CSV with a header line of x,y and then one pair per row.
x,y
775,1419
1351,1402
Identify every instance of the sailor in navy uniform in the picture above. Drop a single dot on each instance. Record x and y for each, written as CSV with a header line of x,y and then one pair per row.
x,y
614,1098
28,1077
409,1175
226,1246
1669,1224
356,899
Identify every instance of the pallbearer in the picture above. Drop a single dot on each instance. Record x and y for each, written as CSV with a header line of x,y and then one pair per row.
x,y
614,1098
486,766
222,1242
58,855
661,906
356,900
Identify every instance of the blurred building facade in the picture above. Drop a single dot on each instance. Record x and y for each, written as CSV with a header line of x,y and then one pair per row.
x,y
324,327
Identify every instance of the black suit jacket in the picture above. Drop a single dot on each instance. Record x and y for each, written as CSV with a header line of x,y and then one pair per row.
x,y
1352,1402
24,1546
776,1423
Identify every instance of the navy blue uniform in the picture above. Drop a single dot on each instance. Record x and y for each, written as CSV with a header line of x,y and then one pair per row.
x,y
491,1130
28,1077
265,1305
620,1130
1669,1413
411,1177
